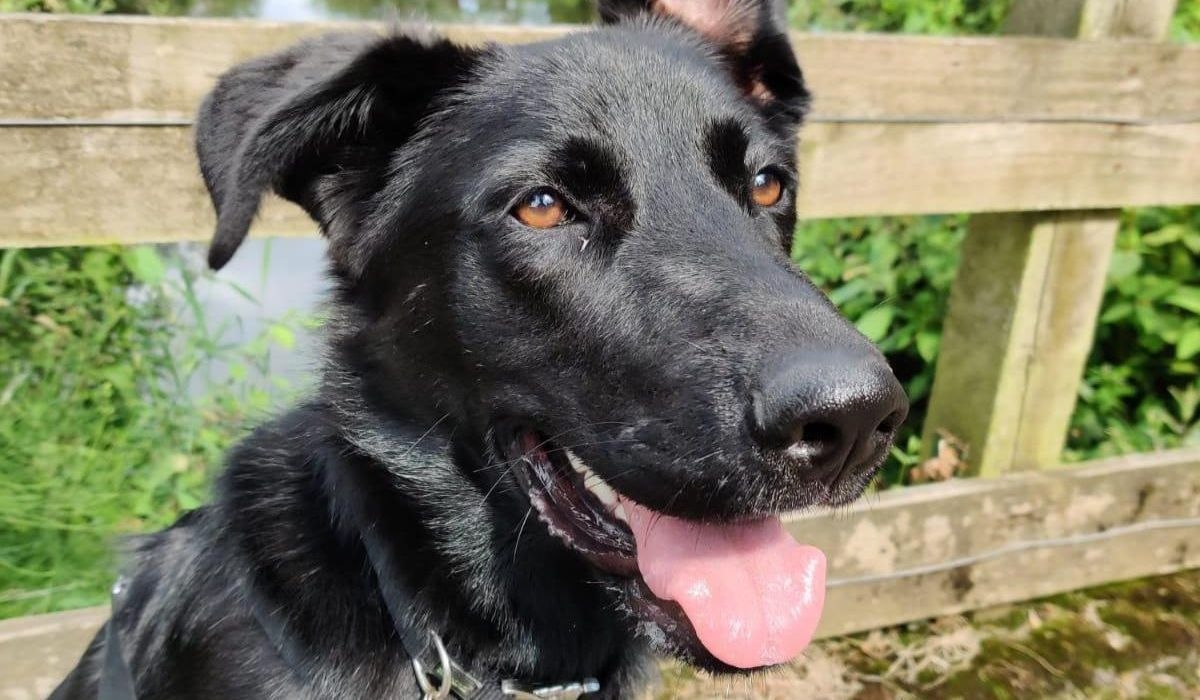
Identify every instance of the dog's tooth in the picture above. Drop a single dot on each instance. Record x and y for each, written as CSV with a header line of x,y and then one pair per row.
x,y
619,511
577,464
603,492
594,483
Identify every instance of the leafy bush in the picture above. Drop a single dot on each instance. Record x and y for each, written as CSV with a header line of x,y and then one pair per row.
x,y
78,7
908,16
892,275
1186,25
1141,391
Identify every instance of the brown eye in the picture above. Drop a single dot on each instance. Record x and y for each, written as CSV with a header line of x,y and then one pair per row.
x,y
767,189
542,209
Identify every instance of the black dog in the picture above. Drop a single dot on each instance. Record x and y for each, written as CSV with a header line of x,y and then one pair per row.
x,y
545,256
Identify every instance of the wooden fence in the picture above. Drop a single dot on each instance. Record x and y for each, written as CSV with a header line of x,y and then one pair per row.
x,y
1043,138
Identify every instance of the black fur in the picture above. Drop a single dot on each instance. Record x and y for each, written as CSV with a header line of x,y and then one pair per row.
x,y
637,335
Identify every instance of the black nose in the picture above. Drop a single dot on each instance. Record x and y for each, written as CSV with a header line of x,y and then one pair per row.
x,y
833,411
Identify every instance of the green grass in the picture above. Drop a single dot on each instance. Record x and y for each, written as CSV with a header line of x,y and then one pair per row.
x,y
101,435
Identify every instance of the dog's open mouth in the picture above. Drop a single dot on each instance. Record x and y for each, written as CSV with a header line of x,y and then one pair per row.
x,y
743,595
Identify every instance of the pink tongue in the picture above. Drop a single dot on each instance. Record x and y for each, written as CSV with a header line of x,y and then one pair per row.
x,y
752,593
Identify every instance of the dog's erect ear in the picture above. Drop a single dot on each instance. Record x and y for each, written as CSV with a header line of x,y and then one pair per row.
x,y
318,123
751,34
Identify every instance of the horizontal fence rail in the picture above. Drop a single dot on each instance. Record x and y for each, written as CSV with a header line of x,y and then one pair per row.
x,y
95,145
903,555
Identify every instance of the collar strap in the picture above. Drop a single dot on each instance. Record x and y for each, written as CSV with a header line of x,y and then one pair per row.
x,y
447,679
567,691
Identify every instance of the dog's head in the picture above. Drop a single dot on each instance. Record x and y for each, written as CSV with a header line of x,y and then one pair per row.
x,y
575,255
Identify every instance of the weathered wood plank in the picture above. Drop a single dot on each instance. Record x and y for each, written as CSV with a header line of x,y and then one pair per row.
x,y
1024,305
901,556
37,652
144,68
83,185
140,185
105,68
87,186
864,170
946,527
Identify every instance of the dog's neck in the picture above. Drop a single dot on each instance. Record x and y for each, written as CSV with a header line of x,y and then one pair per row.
x,y
496,570
508,599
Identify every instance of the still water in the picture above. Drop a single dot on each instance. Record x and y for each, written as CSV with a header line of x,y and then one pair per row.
x,y
286,277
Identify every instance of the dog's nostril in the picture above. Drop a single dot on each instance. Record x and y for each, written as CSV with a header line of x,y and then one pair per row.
x,y
889,425
815,442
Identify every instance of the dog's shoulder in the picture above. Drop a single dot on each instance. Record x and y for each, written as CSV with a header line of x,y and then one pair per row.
x,y
173,610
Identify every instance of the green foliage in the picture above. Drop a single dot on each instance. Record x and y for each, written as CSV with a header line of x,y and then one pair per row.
x,y
892,275
81,7
107,427
1141,390
1186,26
908,16
1142,387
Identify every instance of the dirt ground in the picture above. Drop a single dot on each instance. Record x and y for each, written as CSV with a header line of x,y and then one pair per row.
x,y
1134,640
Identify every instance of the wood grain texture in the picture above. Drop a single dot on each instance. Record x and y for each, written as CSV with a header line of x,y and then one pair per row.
x,y
1024,304
140,184
1018,331
869,169
87,186
145,69
135,68
896,558
84,185
37,652
883,552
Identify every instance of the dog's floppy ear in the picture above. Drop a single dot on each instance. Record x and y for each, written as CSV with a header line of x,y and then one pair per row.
x,y
318,123
751,34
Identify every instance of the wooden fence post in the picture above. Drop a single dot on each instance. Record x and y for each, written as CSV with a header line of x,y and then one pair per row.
x,y
1024,305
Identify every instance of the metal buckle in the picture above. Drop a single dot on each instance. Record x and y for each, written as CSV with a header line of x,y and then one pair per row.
x,y
453,681
566,691
442,691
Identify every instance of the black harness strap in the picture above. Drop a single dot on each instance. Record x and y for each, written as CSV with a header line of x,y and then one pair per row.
x,y
116,680
417,642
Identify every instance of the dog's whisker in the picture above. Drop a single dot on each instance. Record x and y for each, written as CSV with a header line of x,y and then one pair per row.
x,y
424,435
521,531
499,480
